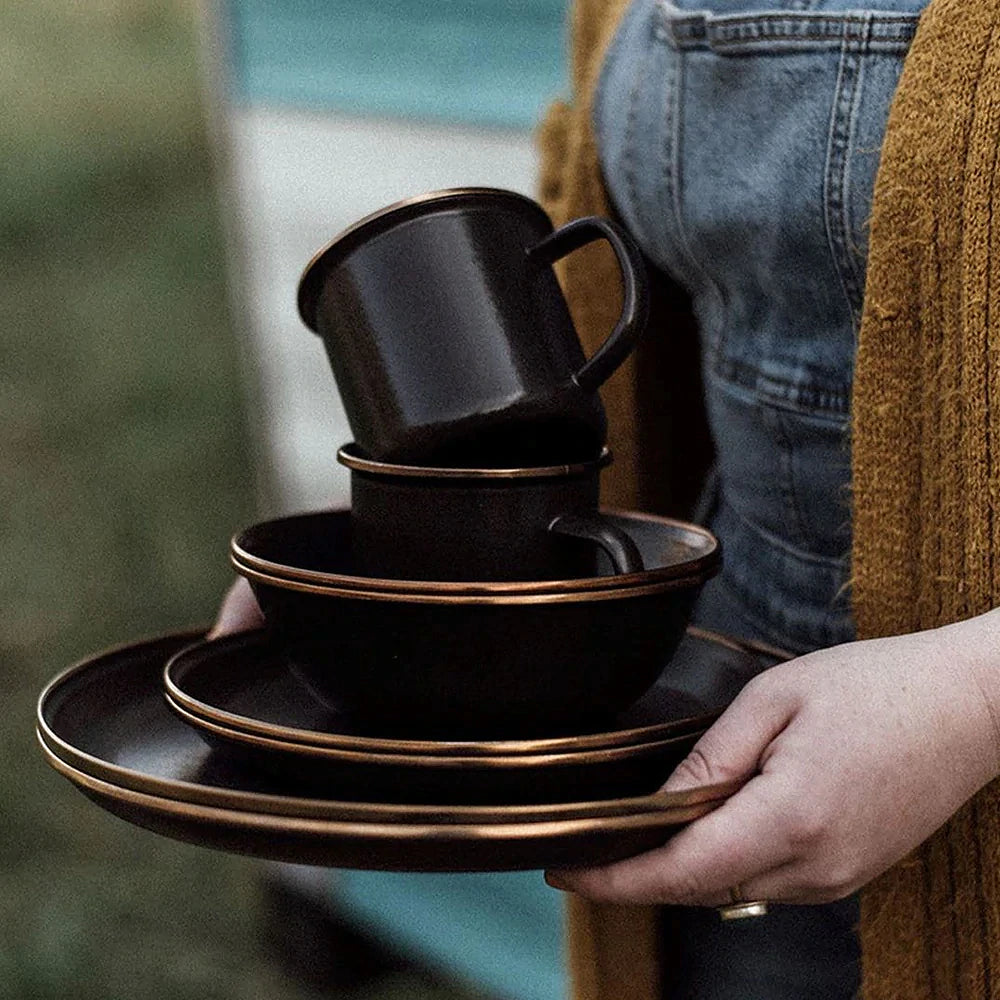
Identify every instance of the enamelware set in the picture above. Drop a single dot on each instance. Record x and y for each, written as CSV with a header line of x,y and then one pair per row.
x,y
476,667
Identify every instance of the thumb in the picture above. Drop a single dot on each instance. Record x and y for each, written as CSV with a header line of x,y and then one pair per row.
x,y
238,613
732,748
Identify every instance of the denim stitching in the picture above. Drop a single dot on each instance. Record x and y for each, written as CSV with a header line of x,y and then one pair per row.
x,y
813,402
668,173
763,619
672,178
836,173
704,30
824,626
773,419
672,190
796,395
855,256
834,153
833,32
834,563
628,150
663,31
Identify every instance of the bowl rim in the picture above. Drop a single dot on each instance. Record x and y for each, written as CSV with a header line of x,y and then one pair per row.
x,y
416,596
683,573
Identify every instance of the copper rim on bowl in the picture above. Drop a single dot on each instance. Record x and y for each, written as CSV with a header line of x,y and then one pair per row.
x,y
684,573
645,588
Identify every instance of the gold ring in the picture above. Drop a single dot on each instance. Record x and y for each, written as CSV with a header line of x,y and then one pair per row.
x,y
739,907
740,911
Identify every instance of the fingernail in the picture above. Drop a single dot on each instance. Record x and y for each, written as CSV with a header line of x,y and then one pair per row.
x,y
556,882
679,784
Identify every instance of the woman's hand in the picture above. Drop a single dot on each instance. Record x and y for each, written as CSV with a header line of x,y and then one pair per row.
x,y
238,612
853,756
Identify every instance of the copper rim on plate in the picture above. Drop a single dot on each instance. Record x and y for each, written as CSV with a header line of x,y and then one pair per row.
x,y
178,670
522,762
390,846
334,810
137,779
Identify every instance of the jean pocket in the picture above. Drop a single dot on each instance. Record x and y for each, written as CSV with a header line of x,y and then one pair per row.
x,y
742,149
631,71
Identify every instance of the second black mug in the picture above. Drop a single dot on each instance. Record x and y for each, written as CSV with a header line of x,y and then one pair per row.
x,y
449,336
446,524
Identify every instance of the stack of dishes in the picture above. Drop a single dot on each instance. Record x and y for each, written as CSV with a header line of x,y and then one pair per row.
x,y
475,667
473,657
214,742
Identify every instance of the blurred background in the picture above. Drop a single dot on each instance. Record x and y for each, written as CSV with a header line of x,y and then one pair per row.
x,y
167,171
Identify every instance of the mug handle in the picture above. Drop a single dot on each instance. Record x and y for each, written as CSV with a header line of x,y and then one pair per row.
x,y
617,545
635,290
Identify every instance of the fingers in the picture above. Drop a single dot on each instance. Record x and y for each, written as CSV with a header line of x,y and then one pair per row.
x,y
737,844
238,612
744,839
734,745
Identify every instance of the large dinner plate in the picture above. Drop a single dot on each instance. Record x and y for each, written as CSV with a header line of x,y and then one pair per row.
x,y
104,724
392,846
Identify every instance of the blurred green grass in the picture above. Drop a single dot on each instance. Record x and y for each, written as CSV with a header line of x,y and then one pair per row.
x,y
124,467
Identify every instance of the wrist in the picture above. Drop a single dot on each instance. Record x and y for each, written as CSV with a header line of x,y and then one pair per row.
x,y
973,649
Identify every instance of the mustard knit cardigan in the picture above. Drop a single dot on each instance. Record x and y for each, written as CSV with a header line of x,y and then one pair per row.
x,y
926,461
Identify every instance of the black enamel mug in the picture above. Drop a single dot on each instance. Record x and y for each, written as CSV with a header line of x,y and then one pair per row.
x,y
535,523
449,336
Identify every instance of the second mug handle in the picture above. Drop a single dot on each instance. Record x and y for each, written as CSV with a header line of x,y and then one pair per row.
x,y
635,290
617,545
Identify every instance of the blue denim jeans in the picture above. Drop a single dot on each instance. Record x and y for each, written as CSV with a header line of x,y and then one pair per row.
x,y
739,142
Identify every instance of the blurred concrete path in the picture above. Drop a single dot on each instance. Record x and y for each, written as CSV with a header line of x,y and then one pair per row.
x,y
299,179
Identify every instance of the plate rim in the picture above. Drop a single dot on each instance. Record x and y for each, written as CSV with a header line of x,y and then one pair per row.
x,y
390,831
237,722
116,775
520,762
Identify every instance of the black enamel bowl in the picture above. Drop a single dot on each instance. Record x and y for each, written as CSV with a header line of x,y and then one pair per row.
x,y
320,549
464,661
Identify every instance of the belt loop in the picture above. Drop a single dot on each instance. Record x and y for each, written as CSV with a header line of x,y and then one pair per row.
x,y
682,29
858,32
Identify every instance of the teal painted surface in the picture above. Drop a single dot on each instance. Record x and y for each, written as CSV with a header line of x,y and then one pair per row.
x,y
502,931
481,61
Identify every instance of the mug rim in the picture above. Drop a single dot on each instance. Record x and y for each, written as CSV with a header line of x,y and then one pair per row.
x,y
384,218
350,455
